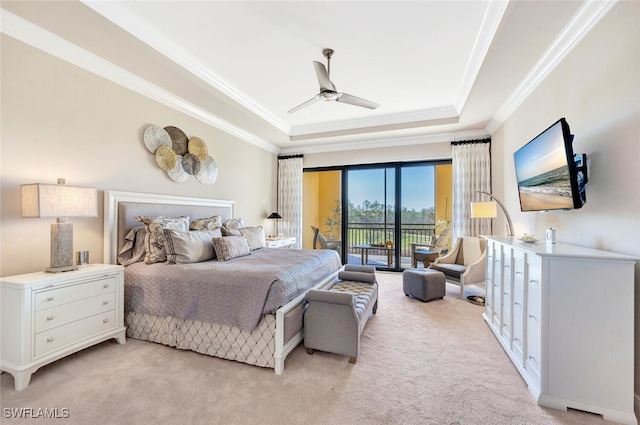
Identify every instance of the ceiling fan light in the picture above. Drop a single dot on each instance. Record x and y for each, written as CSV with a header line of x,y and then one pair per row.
x,y
328,96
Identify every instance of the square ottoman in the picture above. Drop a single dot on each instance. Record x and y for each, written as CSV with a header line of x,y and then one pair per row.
x,y
423,284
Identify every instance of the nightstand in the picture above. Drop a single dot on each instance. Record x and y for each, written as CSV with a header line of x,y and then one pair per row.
x,y
47,316
280,242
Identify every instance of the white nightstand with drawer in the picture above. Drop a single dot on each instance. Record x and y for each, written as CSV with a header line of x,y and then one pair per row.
x,y
280,242
47,316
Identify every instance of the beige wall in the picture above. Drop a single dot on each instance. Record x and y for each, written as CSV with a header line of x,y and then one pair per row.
x,y
61,121
597,88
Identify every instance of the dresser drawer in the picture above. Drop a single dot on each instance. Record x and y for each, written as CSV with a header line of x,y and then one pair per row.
x,y
70,312
53,297
74,332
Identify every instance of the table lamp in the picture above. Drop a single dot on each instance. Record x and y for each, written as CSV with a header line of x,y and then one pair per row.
x,y
275,216
40,200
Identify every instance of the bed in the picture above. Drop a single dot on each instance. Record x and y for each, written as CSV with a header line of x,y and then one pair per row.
x,y
248,309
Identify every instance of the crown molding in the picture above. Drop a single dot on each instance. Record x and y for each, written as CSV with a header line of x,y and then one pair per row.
x,y
387,142
488,28
591,12
31,34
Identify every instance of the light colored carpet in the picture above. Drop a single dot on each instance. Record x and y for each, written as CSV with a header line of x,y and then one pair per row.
x,y
420,363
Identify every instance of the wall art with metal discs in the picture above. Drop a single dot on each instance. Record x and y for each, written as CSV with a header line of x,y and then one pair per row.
x,y
180,156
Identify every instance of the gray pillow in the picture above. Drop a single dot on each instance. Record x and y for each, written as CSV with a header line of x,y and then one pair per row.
x,y
233,223
190,247
209,223
255,237
230,247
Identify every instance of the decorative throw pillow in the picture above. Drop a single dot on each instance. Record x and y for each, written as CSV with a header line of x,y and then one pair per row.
x,y
255,237
233,223
133,249
154,239
230,232
210,223
190,247
231,247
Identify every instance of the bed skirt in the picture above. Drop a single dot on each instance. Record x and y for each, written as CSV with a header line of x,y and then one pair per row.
x,y
256,347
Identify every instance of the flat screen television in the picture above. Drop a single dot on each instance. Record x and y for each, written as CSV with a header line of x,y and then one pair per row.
x,y
549,175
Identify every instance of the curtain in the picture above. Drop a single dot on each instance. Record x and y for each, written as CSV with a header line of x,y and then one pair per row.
x,y
290,196
471,162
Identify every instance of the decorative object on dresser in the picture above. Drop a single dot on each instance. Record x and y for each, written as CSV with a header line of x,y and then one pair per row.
x,y
564,315
489,210
60,201
46,317
180,156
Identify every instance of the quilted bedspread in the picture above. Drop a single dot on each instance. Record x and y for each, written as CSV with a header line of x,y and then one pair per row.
x,y
235,292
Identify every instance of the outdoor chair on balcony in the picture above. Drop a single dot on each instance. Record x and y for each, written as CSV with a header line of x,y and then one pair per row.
x,y
464,264
320,240
428,252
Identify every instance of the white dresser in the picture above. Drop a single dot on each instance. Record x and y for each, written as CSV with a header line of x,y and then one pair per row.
x,y
47,316
565,316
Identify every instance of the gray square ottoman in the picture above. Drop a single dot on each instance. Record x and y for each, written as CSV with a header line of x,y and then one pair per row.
x,y
423,284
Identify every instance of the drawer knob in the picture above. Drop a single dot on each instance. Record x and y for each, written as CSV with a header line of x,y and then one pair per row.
x,y
105,285
518,272
505,293
517,303
507,266
516,339
49,318
533,281
105,302
531,357
531,316
50,339
49,298
105,320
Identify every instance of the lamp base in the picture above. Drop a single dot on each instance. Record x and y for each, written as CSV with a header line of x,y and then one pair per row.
x,y
61,248
60,269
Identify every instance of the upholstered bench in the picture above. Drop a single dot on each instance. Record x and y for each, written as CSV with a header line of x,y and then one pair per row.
x,y
423,284
335,317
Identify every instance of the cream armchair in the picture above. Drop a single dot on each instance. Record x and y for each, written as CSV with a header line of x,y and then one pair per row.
x,y
465,263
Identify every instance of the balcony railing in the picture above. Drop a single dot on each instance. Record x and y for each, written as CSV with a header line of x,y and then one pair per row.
x,y
369,233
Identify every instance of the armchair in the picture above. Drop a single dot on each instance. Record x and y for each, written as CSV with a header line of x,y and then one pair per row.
x,y
436,245
465,263
324,243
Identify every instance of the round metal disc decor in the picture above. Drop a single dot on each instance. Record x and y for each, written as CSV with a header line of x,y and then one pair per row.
x,y
166,158
191,164
177,174
208,171
155,136
179,140
198,148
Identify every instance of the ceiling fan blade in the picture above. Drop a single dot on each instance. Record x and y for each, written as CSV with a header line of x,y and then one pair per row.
x,y
354,100
323,77
307,103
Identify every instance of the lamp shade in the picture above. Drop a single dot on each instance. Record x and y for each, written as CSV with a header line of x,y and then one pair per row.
x,y
58,200
484,209
275,215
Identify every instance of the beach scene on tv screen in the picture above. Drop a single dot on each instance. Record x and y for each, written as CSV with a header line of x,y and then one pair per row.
x,y
543,174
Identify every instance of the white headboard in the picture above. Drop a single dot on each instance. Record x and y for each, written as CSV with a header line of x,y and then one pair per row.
x,y
120,208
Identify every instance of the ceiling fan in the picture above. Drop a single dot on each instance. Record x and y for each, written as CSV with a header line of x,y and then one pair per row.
x,y
328,90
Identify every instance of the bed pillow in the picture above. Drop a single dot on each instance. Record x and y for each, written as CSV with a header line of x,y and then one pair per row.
x,y
255,237
231,247
233,223
133,249
193,246
230,232
154,239
209,223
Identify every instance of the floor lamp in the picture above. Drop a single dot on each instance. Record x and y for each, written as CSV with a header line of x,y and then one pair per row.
x,y
489,210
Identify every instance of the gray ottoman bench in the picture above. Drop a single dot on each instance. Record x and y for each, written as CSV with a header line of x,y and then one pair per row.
x,y
423,284
335,317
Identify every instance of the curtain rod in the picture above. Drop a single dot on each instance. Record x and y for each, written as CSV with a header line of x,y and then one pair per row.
x,y
291,156
468,142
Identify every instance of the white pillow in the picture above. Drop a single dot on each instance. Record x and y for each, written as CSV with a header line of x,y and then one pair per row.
x,y
255,237
190,247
